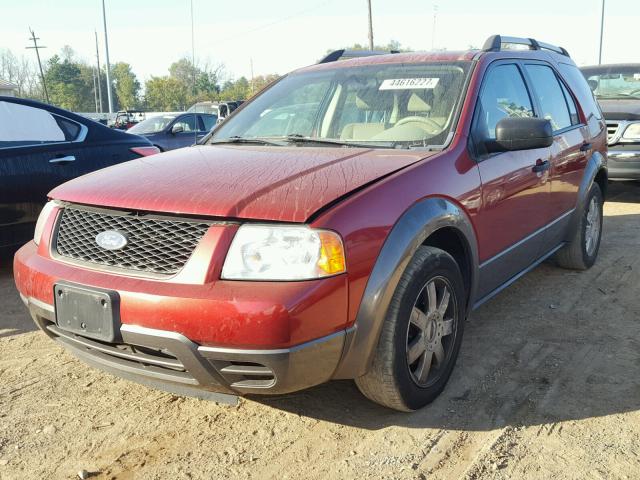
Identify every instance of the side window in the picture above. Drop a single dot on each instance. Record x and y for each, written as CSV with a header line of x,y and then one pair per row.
x,y
23,125
580,87
209,122
549,93
70,129
188,123
504,94
573,111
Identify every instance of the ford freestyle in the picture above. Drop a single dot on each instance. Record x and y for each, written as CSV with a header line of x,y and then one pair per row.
x,y
341,225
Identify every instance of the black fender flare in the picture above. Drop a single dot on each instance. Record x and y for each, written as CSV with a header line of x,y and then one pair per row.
x,y
407,235
596,163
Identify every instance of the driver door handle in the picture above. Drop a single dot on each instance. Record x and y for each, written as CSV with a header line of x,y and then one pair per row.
x,y
585,147
67,159
541,166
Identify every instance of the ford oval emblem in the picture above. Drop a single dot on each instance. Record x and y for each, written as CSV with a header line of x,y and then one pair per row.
x,y
111,240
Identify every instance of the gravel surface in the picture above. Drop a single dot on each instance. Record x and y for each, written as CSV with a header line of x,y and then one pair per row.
x,y
547,386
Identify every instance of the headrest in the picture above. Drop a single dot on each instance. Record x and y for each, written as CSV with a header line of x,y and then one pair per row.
x,y
371,99
417,104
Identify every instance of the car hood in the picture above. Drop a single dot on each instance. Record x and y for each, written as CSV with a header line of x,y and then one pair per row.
x,y
620,109
265,183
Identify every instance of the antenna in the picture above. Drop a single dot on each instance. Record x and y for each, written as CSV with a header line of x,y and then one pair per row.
x,y
37,48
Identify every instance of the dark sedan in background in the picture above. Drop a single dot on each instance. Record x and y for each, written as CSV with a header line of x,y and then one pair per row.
x,y
168,132
617,88
43,146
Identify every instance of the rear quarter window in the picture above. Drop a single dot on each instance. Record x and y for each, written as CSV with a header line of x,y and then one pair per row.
x,y
581,89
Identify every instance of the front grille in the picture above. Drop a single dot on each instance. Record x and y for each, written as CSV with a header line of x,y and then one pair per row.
x,y
612,128
156,246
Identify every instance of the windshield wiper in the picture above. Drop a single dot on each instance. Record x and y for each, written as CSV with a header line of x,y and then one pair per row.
x,y
298,138
246,141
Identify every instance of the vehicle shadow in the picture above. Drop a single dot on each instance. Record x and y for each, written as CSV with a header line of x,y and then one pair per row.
x,y
14,318
557,345
627,191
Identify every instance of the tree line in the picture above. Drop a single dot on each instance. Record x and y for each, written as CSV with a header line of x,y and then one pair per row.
x,y
73,84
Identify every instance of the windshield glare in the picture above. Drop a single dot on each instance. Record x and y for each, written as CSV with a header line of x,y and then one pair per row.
x,y
151,125
623,82
377,105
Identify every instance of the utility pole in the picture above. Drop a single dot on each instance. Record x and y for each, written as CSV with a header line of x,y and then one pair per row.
x,y
37,48
99,80
193,52
601,34
106,45
95,88
433,30
370,26
252,77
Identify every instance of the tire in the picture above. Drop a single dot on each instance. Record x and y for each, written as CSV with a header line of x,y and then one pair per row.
x,y
395,378
582,251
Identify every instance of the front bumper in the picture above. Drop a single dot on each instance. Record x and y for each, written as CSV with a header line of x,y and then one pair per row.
x,y
624,163
170,361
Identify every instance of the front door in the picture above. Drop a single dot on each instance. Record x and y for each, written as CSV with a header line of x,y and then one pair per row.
x,y
516,185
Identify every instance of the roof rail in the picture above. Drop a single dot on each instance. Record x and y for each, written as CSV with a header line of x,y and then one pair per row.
x,y
346,54
494,44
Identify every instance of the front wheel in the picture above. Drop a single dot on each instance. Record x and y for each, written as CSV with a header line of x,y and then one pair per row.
x,y
582,251
421,336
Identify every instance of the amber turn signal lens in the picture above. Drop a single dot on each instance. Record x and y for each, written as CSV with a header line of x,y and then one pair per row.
x,y
331,259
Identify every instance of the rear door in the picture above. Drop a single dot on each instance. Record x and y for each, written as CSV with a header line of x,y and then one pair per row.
x,y
38,151
515,195
570,146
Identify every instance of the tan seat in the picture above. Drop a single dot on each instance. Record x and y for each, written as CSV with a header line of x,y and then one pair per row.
x,y
361,131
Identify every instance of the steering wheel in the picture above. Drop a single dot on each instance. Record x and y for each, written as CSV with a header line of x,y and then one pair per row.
x,y
633,92
415,119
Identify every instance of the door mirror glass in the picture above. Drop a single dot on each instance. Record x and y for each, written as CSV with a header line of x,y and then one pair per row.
x,y
177,128
521,134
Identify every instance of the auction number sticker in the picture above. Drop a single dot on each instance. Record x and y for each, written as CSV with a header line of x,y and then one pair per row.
x,y
408,83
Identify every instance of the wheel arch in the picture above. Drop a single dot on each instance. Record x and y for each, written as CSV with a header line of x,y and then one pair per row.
x,y
433,221
595,171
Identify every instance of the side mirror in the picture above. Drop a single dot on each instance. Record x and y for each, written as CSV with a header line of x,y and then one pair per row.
x,y
177,128
521,133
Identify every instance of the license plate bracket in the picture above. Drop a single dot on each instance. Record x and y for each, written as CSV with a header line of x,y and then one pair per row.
x,y
87,311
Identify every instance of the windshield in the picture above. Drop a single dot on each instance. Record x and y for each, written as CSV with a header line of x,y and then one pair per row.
x,y
377,105
152,125
614,81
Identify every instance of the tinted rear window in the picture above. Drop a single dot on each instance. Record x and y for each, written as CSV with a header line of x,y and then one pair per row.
x,y
581,89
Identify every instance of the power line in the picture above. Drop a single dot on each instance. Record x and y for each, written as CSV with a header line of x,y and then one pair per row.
x,y
276,22
37,48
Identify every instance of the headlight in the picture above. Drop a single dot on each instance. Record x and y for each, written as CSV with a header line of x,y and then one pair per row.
x,y
281,252
632,132
42,221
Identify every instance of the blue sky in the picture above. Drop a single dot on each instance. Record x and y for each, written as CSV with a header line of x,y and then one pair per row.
x,y
280,35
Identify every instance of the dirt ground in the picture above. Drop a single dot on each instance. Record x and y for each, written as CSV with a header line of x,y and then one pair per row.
x,y
547,386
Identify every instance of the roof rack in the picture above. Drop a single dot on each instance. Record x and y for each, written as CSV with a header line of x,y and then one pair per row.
x,y
494,44
346,54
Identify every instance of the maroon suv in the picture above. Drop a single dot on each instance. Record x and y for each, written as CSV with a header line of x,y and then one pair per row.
x,y
342,224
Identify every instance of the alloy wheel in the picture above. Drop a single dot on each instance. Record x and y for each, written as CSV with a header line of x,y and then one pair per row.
x,y
592,228
431,332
